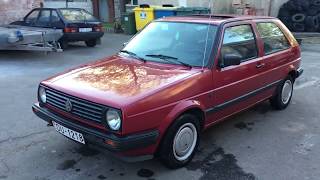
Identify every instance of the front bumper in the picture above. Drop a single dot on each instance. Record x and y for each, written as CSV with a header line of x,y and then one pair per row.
x,y
96,137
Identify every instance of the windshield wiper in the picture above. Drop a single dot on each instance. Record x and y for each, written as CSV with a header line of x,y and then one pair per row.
x,y
133,55
168,59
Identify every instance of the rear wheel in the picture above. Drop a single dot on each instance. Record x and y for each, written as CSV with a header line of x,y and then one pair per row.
x,y
91,43
64,44
283,94
181,141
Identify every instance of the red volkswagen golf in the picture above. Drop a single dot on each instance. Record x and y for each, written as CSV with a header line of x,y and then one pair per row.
x,y
176,78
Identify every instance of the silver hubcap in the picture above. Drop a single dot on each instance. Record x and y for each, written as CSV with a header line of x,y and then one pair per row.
x,y
286,92
185,141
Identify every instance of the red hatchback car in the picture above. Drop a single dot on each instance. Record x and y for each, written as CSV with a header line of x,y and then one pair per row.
x,y
174,79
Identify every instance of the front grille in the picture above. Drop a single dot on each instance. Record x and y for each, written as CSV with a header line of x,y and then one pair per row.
x,y
81,108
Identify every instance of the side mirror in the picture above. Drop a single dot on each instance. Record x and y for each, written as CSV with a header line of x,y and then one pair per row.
x,y
231,60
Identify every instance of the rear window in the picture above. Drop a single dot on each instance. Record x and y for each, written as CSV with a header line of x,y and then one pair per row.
x,y
273,38
77,15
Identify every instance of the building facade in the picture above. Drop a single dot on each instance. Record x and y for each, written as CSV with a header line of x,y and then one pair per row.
x,y
14,10
265,7
85,4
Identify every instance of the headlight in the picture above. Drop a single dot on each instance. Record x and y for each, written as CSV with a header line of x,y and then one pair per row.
x,y
113,118
42,95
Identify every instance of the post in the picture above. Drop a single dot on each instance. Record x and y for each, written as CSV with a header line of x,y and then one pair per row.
x,y
67,3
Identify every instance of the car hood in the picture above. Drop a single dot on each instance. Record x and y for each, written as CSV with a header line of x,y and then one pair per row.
x,y
118,80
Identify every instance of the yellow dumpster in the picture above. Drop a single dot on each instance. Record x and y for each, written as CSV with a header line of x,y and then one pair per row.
x,y
143,16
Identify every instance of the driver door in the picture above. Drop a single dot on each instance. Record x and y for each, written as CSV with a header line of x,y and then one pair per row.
x,y
236,87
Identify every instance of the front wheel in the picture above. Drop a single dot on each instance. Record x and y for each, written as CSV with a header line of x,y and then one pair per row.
x,y
180,143
283,95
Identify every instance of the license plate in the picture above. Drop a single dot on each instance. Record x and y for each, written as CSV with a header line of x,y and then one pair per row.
x,y
85,29
69,133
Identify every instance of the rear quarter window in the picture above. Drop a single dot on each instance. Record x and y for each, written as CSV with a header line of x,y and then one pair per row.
x,y
273,38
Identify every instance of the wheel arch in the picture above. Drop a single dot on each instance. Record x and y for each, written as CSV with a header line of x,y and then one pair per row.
x,y
186,107
293,74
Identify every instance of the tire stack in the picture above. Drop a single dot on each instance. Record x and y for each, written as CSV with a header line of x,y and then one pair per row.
x,y
301,15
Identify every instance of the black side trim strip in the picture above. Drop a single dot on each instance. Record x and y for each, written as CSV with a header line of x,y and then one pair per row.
x,y
241,98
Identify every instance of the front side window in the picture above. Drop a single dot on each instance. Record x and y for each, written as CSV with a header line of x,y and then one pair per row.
x,y
239,41
171,41
44,18
273,38
32,18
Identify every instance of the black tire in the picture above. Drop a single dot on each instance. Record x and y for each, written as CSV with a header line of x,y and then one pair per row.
x,y
298,27
298,18
312,22
315,2
294,6
283,12
285,19
64,44
290,26
277,100
91,43
166,152
304,4
312,11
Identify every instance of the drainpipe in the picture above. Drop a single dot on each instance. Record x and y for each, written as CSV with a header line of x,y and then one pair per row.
x,y
270,7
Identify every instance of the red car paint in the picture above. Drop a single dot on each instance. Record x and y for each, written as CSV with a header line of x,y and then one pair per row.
x,y
152,95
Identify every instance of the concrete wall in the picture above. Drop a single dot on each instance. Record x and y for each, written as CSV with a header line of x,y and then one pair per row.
x,y
219,6
13,10
87,5
224,6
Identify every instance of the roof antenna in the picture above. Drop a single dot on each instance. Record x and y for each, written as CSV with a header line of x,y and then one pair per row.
x,y
207,36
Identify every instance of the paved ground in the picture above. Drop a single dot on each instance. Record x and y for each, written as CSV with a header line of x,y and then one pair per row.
x,y
258,144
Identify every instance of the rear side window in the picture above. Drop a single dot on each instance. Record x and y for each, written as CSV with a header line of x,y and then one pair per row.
x,y
273,38
240,41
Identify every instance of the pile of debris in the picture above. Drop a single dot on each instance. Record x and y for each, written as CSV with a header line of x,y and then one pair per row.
x,y
301,15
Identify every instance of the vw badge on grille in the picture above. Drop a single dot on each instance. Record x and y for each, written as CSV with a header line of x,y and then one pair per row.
x,y
68,105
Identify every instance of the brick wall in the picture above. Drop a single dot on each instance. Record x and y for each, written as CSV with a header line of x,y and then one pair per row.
x,y
13,10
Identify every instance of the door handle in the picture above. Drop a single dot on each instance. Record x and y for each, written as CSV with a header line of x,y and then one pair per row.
x,y
260,65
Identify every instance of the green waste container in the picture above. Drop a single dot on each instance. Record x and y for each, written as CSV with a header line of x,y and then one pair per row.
x,y
185,11
201,10
129,23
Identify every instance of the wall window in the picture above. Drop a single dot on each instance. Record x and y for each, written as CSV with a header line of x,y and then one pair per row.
x,y
240,41
273,38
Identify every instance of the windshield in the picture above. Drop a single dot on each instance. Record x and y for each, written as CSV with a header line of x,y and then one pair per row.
x,y
174,41
76,15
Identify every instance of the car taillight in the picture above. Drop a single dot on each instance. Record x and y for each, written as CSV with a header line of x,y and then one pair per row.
x,y
70,30
98,28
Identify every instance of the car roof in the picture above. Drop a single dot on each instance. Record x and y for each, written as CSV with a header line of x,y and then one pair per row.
x,y
215,19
